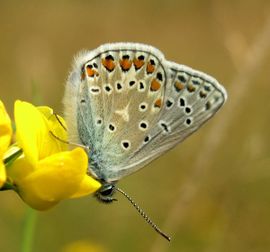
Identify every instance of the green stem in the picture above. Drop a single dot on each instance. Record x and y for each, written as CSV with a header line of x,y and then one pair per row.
x,y
12,157
8,186
29,224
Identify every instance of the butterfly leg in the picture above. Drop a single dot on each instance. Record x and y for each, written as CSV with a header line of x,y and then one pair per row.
x,y
86,148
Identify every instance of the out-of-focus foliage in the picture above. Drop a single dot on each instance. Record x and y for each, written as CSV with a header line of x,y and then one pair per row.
x,y
211,193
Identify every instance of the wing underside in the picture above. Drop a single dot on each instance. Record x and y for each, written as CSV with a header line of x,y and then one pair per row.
x,y
130,105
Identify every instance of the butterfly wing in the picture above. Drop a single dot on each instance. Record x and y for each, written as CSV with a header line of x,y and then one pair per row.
x,y
191,99
130,105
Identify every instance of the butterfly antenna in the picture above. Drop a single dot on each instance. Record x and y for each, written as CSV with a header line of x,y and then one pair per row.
x,y
59,121
143,214
64,141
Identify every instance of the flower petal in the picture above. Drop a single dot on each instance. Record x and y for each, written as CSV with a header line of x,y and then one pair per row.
x,y
87,186
3,175
83,246
57,177
57,126
46,111
5,130
19,169
33,131
5,138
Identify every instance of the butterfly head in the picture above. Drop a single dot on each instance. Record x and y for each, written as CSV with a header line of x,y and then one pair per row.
x,y
106,192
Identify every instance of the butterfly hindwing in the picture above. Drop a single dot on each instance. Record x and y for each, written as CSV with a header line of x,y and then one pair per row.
x,y
191,98
129,105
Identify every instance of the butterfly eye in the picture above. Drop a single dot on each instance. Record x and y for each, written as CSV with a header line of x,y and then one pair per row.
x,y
107,190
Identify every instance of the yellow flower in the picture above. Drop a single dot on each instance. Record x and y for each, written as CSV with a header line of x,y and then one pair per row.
x,y
46,172
83,246
5,137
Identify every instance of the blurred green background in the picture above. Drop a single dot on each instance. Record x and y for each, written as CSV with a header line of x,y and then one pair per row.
x,y
212,192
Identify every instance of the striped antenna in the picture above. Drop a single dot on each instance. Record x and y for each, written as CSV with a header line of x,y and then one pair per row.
x,y
143,214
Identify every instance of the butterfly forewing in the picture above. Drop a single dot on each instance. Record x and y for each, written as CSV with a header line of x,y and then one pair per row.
x,y
132,105
119,100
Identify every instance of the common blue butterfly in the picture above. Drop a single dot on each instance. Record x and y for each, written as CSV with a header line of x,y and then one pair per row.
x,y
129,105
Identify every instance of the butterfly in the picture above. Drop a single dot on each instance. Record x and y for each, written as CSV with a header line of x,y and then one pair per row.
x,y
130,105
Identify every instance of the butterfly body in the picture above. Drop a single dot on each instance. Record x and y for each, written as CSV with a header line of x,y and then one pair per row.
x,y
129,105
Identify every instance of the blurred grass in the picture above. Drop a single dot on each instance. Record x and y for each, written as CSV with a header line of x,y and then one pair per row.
x,y
227,207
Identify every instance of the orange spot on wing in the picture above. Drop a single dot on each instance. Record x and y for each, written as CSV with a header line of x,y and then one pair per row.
x,y
179,86
158,103
108,64
138,63
190,88
90,72
155,85
125,64
150,68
